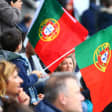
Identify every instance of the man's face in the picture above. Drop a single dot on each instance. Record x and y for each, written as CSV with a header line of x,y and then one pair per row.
x,y
73,97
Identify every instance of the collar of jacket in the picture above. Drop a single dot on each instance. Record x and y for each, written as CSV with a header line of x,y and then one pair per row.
x,y
8,55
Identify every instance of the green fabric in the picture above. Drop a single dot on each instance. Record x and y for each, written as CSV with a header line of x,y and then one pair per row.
x,y
50,9
85,51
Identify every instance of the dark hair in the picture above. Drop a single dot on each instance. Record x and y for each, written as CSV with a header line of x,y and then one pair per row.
x,y
63,2
106,3
92,1
9,1
10,39
56,84
26,19
10,105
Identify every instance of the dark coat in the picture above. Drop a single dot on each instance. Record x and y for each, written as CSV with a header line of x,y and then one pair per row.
x,y
104,18
45,106
89,19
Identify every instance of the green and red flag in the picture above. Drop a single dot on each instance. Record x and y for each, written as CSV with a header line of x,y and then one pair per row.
x,y
54,33
94,58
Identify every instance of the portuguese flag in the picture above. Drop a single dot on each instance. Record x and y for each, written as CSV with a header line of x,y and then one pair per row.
x,y
94,58
54,33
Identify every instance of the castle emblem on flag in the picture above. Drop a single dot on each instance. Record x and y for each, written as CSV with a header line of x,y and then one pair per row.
x,y
102,56
49,29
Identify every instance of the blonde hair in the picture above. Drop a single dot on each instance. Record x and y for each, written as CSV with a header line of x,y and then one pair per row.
x,y
58,69
6,70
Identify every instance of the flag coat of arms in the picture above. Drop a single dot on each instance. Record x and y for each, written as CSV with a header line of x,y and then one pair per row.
x,y
94,58
54,33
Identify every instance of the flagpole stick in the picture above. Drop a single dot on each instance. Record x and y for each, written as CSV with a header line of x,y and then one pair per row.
x,y
36,14
73,19
58,59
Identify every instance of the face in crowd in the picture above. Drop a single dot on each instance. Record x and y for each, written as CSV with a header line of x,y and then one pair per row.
x,y
63,91
68,65
73,97
14,82
9,80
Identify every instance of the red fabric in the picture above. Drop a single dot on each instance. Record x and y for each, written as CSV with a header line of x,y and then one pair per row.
x,y
71,34
99,84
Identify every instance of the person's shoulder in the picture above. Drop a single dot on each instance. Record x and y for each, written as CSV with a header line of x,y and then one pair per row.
x,y
3,1
20,61
46,106
8,55
41,107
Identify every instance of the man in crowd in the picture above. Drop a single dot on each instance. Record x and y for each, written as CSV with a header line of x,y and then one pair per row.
x,y
62,94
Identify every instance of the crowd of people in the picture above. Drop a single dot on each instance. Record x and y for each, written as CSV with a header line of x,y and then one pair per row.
x,y
24,85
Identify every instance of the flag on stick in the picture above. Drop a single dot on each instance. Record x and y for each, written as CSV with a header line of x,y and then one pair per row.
x,y
54,33
94,58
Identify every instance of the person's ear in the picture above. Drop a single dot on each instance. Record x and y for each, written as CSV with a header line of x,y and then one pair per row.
x,y
19,47
62,99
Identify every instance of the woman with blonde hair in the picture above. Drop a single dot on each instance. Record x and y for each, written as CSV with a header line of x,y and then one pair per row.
x,y
10,83
67,65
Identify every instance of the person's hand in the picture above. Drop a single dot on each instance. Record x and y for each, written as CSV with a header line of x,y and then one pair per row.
x,y
23,97
44,76
17,4
41,96
38,73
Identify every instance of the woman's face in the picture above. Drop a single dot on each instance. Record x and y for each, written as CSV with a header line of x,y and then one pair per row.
x,y
14,83
67,65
